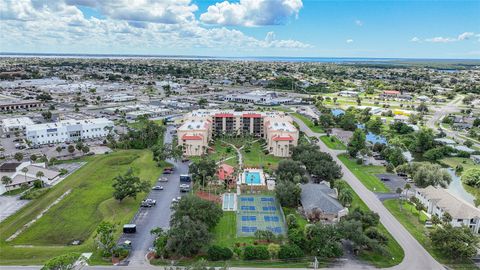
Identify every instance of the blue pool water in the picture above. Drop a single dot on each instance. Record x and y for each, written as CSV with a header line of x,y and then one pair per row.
x,y
252,178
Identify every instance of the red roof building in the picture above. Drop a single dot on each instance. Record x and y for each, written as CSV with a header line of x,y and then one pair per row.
x,y
251,115
391,93
283,138
225,172
223,115
192,137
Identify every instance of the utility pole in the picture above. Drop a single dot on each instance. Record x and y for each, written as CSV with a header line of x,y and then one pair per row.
x,y
315,263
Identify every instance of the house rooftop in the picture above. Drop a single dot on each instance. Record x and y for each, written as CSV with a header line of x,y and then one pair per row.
x,y
456,207
319,196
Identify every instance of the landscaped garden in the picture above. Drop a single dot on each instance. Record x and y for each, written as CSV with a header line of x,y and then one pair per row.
x,y
77,215
366,174
333,142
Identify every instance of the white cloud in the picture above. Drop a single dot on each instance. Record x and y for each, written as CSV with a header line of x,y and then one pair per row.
x,y
252,12
349,41
461,37
54,25
358,23
415,39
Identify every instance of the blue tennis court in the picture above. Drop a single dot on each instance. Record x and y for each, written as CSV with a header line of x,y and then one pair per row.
x,y
259,212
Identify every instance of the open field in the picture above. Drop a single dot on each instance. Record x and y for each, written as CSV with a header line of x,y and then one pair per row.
x,y
414,222
77,215
333,142
308,123
366,174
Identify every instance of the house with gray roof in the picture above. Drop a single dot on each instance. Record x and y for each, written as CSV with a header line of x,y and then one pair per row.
x,y
321,200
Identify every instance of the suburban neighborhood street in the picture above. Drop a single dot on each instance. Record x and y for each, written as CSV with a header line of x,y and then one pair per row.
x,y
148,218
416,257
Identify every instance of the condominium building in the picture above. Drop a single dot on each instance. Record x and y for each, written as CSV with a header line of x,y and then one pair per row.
x,y
200,126
68,131
439,201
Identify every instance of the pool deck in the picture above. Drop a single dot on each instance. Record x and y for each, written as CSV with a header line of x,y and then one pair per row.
x,y
257,173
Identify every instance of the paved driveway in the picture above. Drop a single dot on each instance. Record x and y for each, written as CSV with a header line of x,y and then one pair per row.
x,y
416,257
9,205
156,216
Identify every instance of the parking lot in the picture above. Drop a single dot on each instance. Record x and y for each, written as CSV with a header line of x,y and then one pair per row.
x,y
394,181
9,205
148,218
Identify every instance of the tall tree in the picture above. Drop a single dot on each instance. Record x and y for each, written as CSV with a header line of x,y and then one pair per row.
x,y
456,243
105,238
128,185
357,142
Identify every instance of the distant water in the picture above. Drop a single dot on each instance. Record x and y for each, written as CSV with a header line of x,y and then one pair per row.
x,y
261,58
456,188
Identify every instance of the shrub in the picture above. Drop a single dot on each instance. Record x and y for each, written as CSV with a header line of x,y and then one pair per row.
x,y
256,253
217,253
292,222
290,252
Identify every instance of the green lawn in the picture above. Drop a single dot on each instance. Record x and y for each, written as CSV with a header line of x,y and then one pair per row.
x,y
395,250
333,142
452,162
77,215
256,157
221,151
15,191
414,223
302,222
137,124
225,233
366,174
308,123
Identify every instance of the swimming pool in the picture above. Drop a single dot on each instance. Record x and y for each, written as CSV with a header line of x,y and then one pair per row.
x,y
252,178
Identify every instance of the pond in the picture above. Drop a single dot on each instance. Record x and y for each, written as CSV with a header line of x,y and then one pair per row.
x,y
456,187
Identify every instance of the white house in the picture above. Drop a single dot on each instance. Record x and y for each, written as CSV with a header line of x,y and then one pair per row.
x,y
68,131
439,201
14,171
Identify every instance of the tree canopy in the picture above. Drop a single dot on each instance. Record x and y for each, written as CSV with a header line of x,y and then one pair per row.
x,y
128,185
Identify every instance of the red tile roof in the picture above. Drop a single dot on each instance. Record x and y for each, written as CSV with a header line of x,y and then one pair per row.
x,y
224,115
391,92
283,138
192,137
251,115
225,171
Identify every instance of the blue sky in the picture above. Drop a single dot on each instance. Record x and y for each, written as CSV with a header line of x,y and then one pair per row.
x,y
409,29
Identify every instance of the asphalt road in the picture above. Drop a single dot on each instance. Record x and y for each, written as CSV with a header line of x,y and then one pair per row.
x,y
416,257
156,216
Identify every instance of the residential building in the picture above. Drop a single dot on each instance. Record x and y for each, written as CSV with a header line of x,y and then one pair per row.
x,y
200,126
439,201
16,124
390,94
68,131
260,97
321,200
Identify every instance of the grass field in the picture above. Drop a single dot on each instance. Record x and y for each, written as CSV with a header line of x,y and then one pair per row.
x,y
77,215
414,223
395,250
221,151
366,174
256,157
333,142
308,123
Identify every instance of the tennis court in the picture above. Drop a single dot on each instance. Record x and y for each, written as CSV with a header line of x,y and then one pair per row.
x,y
259,212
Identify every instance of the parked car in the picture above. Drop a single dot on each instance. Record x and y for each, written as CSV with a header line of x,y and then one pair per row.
x,y
409,180
402,174
184,188
145,204
428,224
185,160
151,201
384,179
157,188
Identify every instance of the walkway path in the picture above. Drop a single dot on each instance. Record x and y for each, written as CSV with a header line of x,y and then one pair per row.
x,y
239,153
416,257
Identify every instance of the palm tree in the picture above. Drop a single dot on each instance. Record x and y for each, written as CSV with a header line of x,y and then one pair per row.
x,y
407,189
6,180
345,197
25,170
39,175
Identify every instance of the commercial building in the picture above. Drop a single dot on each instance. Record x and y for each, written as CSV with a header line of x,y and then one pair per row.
x,y
439,201
200,126
68,131
16,124
260,97
15,171
20,105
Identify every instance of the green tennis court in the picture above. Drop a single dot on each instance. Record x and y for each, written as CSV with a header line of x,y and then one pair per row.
x,y
259,212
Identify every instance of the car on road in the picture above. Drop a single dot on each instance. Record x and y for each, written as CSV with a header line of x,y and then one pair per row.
x,y
384,179
148,203
168,170
176,200
157,188
409,180
185,160
162,179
